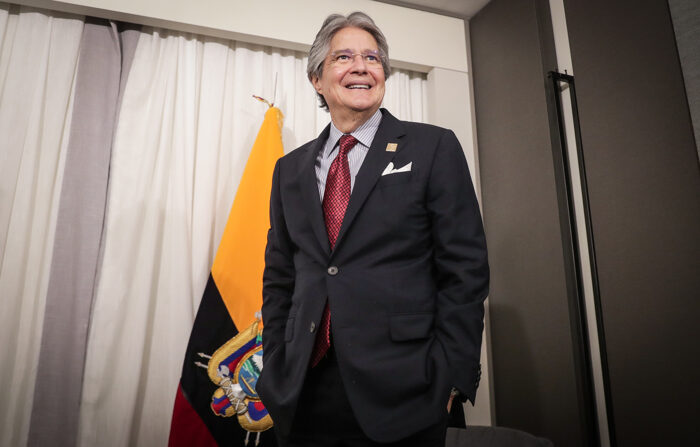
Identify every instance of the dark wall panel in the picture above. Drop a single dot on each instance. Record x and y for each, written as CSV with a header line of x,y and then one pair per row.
x,y
644,186
535,383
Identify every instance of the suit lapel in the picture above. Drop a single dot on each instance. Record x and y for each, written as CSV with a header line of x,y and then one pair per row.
x,y
376,160
309,191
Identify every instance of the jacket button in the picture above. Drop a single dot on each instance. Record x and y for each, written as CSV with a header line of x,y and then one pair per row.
x,y
332,270
312,327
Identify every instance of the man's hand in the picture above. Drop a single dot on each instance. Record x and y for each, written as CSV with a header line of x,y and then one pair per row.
x,y
449,402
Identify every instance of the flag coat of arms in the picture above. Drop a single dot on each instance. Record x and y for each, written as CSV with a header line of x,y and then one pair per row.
x,y
216,402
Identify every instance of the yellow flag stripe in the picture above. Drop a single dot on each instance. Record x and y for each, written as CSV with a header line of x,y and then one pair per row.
x,y
240,259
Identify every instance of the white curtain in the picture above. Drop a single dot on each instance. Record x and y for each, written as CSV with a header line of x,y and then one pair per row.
x,y
406,95
38,61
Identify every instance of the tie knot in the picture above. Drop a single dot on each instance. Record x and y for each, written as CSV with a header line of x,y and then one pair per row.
x,y
347,142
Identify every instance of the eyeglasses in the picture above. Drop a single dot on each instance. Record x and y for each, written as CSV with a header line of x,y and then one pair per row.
x,y
346,57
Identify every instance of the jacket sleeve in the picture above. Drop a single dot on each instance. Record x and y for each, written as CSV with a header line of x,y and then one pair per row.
x,y
460,263
278,276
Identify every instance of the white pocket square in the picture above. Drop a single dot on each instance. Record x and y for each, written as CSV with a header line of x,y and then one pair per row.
x,y
390,169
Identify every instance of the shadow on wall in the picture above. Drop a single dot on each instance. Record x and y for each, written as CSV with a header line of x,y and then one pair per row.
x,y
516,359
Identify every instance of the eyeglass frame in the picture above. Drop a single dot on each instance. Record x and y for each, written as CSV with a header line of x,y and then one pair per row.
x,y
334,55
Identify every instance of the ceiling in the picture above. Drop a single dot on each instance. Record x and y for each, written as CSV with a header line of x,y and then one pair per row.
x,y
456,8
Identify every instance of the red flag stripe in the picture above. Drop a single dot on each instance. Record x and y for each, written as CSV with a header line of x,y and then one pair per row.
x,y
187,428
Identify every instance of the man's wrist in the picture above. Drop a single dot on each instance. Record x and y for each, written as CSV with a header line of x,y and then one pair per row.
x,y
456,394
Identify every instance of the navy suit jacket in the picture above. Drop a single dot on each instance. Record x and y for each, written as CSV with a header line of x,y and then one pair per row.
x,y
405,283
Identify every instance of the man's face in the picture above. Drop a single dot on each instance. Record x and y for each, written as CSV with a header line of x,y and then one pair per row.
x,y
351,84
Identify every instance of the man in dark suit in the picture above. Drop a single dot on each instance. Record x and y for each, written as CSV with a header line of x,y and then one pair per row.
x,y
376,267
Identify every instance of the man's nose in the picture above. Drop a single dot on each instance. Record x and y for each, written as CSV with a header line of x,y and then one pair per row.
x,y
358,63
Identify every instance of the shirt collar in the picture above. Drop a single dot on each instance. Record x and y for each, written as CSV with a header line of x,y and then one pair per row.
x,y
364,134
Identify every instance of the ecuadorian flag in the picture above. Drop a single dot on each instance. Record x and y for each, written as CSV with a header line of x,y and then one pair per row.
x,y
232,297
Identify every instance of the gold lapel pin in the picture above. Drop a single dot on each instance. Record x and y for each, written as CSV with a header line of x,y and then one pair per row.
x,y
391,147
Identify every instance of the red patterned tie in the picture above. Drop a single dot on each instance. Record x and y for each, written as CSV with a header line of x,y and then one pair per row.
x,y
335,201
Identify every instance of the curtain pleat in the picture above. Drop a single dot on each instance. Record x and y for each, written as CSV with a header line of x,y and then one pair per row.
x,y
38,59
405,95
58,382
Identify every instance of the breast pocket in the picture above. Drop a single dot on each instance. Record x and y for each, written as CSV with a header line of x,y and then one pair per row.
x,y
399,178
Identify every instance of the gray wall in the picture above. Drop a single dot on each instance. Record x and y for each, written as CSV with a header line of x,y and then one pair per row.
x,y
644,186
536,384
644,195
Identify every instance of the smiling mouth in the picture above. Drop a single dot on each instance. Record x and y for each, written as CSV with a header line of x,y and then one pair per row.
x,y
358,86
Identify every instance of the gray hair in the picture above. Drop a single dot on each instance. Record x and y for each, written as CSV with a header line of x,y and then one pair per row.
x,y
321,46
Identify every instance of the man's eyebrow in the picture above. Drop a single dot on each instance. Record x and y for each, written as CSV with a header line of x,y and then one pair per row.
x,y
351,51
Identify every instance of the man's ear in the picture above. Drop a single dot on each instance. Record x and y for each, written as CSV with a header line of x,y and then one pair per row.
x,y
316,82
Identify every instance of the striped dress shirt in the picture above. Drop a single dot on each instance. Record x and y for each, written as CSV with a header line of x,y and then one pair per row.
x,y
364,135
